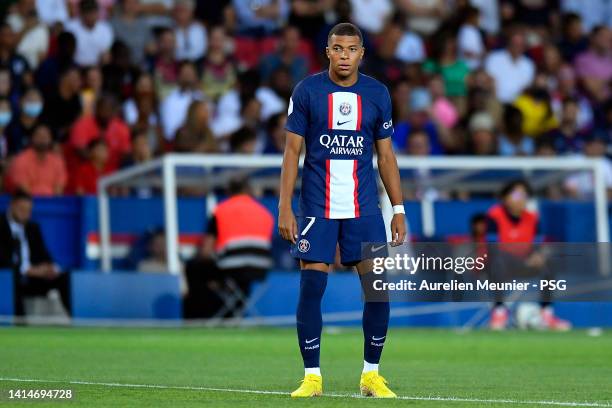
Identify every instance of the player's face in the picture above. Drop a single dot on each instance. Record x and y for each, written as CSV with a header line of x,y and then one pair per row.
x,y
345,53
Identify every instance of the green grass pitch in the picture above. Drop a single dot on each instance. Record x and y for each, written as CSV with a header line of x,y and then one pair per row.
x,y
196,367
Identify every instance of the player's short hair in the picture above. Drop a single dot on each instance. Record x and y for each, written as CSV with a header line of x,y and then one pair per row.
x,y
345,29
509,187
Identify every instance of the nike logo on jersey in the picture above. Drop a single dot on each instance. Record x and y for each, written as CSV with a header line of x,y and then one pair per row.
x,y
310,341
338,123
378,338
378,248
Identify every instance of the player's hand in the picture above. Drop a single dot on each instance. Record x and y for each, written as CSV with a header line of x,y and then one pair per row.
x,y
287,226
398,229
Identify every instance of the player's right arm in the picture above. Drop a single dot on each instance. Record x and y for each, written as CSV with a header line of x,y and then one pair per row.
x,y
287,225
296,127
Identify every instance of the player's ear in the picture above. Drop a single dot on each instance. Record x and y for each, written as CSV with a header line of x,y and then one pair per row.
x,y
327,52
362,53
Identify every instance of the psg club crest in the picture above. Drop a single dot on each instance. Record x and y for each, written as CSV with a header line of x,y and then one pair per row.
x,y
345,108
303,245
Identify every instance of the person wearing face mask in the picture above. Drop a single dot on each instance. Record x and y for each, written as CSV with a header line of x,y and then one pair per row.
x,y
21,126
38,170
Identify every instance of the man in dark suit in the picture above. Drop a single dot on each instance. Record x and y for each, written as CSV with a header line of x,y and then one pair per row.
x,y
23,249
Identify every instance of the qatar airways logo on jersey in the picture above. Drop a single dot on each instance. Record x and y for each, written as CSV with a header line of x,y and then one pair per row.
x,y
343,144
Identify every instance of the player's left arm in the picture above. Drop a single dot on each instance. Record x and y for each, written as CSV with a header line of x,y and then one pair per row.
x,y
389,173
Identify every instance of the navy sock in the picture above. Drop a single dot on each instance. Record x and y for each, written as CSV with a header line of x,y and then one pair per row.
x,y
375,322
309,319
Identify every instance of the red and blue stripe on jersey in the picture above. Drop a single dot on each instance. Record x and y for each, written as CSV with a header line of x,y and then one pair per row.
x,y
339,125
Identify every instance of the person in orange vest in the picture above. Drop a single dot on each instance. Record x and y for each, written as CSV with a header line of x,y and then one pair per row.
x,y
515,229
241,230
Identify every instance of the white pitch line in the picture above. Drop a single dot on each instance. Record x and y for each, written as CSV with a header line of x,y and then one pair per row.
x,y
333,395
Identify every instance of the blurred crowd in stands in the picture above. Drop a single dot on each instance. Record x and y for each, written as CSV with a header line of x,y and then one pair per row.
x,y
91,86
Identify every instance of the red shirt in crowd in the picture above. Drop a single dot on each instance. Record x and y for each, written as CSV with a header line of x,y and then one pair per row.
x,y
116,135
39,176
85,181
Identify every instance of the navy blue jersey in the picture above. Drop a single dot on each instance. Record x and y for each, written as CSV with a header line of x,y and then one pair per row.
x,y
339,125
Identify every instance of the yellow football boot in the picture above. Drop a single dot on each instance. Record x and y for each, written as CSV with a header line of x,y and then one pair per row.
x,y
312,386
373,384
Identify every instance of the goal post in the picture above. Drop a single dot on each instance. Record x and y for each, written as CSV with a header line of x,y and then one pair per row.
x,y
162,172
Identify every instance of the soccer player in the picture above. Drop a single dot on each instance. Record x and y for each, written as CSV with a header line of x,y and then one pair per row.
x,y
341,115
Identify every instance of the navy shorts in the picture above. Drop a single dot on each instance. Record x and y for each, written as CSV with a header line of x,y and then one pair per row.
x,y
317,238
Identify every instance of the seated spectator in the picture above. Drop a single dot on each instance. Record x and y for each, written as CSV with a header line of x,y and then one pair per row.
x,y
443,111
48,72
274,98
84,180
481,138
550,66
157,261
567,138
264,19
141,151
418,143
105,124
567,88
119,75
510,68
174,108
513,141
594,66
382,63
38,170
419,118
538,116
32,34
581,185
94,36
469,39
454,71
142,111
191,37
132,29
251,115
228,117
63,105
195,135
243,141
275,132
23,249
573,41
286,56
20,128
219,68
163,64
15,63
92,88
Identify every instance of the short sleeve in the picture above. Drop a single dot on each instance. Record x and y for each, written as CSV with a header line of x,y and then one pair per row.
x,y
297,114
385,121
